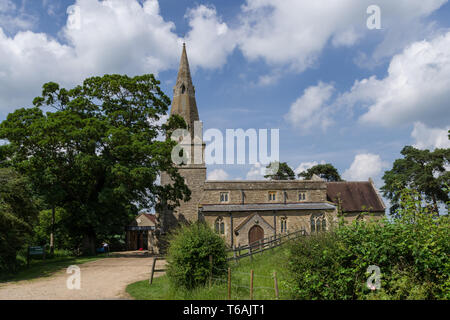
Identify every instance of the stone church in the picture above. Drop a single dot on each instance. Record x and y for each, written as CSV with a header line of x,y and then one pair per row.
x,y
246,211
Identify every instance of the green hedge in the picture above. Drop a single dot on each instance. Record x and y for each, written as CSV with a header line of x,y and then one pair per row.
x,y
412,253
188,255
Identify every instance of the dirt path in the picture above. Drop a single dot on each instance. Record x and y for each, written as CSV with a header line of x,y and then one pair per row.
x,y
101,279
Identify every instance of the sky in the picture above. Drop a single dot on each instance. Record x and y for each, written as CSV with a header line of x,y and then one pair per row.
x,y
338,91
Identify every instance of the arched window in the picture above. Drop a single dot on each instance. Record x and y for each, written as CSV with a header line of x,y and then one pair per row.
x,y
283,224
219,226
318,223
183,89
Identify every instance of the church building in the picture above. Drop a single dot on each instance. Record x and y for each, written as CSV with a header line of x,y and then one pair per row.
x,y
246,211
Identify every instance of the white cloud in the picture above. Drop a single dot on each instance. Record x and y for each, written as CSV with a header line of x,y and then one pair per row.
x,y
210,40
430,138
415,89
365,166
218,174
268,79
293,33
310,110
12,19
125,36
307,165
256,172
113,36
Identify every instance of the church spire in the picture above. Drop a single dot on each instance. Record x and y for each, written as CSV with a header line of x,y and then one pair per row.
x,y
184,80
184,103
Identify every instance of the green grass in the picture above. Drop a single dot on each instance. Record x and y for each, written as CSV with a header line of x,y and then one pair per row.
x,y
44,268
263,265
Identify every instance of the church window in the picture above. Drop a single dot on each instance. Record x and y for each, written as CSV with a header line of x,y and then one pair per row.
x,y
224,196
219,226
283,225
301,196
183,88
272,196
318,223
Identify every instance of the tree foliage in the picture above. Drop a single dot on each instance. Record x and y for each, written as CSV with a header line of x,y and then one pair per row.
x,y
18,213
97,154
282,171
43,228
422,170
325,171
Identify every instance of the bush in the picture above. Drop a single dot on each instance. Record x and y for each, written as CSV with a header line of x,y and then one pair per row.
x,y
412,252
188,255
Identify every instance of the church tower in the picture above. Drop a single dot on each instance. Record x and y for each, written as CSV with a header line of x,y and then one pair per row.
x,y
194,172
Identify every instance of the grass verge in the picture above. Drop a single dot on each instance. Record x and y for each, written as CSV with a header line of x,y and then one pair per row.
x,y
45,268
263,266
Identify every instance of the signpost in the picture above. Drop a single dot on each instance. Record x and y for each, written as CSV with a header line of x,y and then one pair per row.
x,y
35,251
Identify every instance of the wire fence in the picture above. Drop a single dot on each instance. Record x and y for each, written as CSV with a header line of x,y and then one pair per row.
x,y
247,283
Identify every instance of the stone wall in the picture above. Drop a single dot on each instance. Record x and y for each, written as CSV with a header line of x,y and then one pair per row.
x,y
296,220
245,192
195,177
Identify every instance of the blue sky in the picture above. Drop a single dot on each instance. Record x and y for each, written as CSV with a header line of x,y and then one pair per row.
x,y
339,92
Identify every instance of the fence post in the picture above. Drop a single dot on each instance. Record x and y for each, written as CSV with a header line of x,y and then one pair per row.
x,y
210,270
260,245
234,254
153,270
275,284
251,284
239,248
251,252
229,283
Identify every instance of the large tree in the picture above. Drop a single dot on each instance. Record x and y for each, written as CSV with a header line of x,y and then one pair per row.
x,y
18,214
325,171
422,170
279,171
97,154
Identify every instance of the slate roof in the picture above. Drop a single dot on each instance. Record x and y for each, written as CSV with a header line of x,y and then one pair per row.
x,y
355,196
267,207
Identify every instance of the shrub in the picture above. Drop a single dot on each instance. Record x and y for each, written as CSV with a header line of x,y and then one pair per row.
x,y
412,252
188,255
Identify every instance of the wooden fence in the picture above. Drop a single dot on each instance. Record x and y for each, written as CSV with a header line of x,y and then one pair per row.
x,y
264,244
153,270
248,250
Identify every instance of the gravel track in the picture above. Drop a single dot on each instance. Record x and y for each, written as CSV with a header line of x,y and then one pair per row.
x,y
101,279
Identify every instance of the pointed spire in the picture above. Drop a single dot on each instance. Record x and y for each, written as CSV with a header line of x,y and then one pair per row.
x,y
184,80
184,103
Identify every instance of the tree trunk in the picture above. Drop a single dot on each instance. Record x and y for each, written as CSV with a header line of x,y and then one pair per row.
x,y
88,245
436,209
52,234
